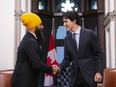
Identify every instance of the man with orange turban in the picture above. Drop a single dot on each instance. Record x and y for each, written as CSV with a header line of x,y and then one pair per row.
x,y
29,64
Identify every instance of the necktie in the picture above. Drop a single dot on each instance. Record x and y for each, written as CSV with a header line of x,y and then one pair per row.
x,y
73,36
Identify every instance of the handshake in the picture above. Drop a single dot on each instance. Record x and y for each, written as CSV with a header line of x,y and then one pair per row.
x,y
56,69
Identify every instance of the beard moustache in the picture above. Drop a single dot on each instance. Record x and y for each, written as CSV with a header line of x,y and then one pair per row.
x,y
39,34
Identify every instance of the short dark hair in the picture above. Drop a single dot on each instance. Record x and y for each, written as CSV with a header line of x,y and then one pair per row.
x,y
72,16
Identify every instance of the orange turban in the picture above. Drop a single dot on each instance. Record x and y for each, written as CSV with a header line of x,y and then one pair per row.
x,y
30,20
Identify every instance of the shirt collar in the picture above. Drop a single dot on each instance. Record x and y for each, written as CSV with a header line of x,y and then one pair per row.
x,y
77,31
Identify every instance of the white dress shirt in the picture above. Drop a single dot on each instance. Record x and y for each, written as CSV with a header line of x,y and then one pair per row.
x,y
77,36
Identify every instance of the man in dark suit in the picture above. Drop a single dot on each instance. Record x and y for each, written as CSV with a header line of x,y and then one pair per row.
x,y
29,64
83,51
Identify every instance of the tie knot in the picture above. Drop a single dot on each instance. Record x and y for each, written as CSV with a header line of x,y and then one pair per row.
x,y
74,34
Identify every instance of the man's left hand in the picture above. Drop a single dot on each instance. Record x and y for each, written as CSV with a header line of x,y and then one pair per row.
x,y
98,77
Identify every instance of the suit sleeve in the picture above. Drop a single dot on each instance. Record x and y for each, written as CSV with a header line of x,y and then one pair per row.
x,y
33,52
67,57
99,55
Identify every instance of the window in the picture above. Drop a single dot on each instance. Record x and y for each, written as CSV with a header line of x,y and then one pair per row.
x,y
67,5
60,33
92,4
42,5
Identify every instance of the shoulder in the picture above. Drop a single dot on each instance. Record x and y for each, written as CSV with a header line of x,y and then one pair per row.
x,y
88,33
29,41
29,38
86,30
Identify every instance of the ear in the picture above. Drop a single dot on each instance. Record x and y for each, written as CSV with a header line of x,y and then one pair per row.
x,y
74,21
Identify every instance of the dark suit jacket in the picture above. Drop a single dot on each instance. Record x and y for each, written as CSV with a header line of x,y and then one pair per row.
x,y
89,57
29,64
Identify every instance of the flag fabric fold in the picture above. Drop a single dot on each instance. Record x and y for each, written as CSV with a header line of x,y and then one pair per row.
x,y
51,60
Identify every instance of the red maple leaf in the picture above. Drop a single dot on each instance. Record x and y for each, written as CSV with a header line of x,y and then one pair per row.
x,y
50,64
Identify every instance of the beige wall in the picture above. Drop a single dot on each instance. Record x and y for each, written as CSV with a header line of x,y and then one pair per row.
x,y
6,34
11,30
110,32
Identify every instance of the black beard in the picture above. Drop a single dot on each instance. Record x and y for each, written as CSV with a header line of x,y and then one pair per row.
x,y
39,34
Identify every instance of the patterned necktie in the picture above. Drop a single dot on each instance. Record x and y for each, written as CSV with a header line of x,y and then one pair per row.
x,y
74,38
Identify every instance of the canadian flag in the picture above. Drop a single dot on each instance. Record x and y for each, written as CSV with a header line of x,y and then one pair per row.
x,y
51,60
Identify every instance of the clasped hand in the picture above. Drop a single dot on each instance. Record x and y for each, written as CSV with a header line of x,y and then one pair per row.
x,y
56,69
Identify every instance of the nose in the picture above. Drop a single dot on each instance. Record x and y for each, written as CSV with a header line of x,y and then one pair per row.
x,y
42,26
64,24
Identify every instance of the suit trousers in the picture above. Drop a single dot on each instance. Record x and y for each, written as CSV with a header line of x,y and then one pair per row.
x,y
80,81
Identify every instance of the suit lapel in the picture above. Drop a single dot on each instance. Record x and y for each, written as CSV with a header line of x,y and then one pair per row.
x,y
73,48
81,39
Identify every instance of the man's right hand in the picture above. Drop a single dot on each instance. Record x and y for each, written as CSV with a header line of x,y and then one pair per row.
x,y
56,69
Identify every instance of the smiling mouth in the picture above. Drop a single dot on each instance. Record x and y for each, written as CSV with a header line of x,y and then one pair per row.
x,y
66,26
